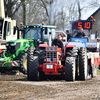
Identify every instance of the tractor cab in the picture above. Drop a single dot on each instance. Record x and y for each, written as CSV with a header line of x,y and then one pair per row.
x,y
38,32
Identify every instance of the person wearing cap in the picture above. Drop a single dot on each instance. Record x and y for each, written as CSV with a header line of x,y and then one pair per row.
x,y
57,42
81,34
68,35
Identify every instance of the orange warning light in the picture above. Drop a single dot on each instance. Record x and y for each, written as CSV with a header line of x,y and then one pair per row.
x,y
91,16
21,23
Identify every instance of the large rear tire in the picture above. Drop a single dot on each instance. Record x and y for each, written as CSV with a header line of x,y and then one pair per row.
x,y
30,54
40,52
83,66
33,74
70,69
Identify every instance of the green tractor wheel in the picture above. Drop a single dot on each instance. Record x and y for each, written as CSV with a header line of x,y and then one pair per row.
x,y
23,63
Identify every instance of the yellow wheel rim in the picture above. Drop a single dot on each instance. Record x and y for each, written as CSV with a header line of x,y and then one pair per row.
x,y
26,62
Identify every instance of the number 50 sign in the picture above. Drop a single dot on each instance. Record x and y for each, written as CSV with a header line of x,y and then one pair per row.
x,y
82,24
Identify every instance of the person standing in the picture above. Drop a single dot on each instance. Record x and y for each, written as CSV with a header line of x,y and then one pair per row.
x,y
68,35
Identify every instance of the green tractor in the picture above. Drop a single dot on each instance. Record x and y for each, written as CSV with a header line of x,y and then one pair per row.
x,y
15,56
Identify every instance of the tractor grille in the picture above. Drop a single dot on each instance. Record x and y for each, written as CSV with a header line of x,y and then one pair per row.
x,y
17,46
51,56
14,48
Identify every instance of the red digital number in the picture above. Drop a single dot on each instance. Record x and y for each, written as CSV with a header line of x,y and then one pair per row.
x,y
80,25
87,25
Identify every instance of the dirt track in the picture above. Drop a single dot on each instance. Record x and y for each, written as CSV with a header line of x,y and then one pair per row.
x,y
16,87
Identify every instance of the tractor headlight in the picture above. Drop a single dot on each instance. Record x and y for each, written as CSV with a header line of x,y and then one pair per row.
x,y
7,44
13,44
48,59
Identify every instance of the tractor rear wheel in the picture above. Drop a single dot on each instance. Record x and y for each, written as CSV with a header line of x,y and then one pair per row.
x,y
23,63
83,67
72,52
70,69
29,55
33,74
40,52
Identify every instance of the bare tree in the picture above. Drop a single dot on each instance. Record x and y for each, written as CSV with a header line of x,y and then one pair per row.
x,y
11,7
55,12
24,13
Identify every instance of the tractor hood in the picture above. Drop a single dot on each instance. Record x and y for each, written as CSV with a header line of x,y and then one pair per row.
x,y
19,40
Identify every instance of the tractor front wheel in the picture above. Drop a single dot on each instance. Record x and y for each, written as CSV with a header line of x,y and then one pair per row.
x,y
70,69
23,63
33,74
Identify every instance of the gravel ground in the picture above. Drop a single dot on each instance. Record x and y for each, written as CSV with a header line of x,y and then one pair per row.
x,y
16,87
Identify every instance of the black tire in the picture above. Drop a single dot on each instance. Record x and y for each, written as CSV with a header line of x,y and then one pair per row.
x,y
83,66
72,52
40,52
23,63
35,57
33,74
70,69
30,54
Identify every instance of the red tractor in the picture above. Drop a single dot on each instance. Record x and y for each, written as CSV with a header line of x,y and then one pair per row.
x,y
51,61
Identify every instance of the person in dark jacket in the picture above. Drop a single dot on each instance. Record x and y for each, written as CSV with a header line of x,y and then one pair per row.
x,y
81,34
68,35
57,42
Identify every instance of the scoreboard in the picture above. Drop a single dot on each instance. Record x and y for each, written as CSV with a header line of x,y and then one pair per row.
x,y
82,24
